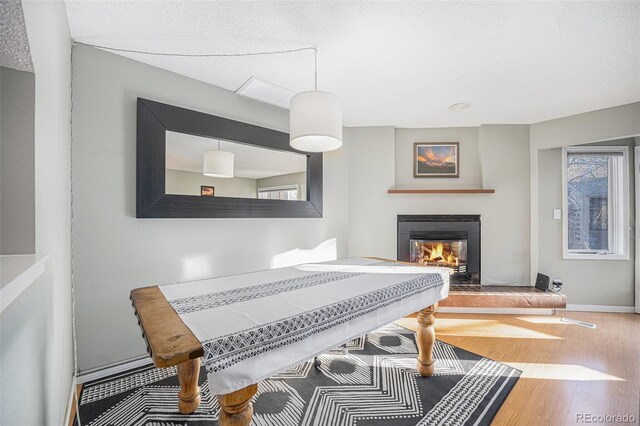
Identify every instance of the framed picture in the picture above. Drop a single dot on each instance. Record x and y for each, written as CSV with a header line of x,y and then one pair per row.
x,y
436,159
207,191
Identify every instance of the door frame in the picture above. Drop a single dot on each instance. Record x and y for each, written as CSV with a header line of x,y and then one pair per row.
x,y
636,173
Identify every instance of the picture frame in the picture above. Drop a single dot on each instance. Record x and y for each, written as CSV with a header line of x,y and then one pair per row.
x,y
436,160
207,191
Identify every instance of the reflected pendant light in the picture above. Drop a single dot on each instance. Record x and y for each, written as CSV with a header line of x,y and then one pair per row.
x,y
218,163
315,119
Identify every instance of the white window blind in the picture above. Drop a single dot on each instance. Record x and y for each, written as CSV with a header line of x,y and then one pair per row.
x,y
279,193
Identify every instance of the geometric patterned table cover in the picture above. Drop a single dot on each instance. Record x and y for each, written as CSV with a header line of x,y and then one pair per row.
x,y
255,325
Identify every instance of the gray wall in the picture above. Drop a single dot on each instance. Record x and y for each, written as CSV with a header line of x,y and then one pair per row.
x,y
188,183
470,168
35,336
0,161
500,152
585,282
17,175
596,126
115,252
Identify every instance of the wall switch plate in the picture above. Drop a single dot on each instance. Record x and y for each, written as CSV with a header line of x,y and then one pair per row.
x,y
557,214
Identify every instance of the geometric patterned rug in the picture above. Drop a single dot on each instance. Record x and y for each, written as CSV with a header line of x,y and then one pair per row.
x,y
374,384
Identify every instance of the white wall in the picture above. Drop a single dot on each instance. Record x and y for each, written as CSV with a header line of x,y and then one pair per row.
x,y
499,151
115,252
188,183
36,346
586,282
596,126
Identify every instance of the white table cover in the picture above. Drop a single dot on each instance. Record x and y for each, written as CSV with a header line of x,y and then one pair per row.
x,y
255,325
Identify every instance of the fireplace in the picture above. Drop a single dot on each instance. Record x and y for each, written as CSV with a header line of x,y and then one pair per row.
x,y
451,241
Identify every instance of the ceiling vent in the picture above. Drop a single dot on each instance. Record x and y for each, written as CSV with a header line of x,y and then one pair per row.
x,y
266,92
459,107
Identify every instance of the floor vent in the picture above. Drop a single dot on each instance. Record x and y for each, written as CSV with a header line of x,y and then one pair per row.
x,y
582,323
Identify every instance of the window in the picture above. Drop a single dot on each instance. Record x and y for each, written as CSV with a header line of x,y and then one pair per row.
x,y
289,192
595,202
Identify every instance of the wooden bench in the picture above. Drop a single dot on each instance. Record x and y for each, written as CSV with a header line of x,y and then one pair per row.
x,y
486,296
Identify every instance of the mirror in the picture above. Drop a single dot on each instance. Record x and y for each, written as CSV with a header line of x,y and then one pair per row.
x,y
257,172
190,164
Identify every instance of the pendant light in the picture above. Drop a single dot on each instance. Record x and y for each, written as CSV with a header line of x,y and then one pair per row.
x,y
218,163
315,119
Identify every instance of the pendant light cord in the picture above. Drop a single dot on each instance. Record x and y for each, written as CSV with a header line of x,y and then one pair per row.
x,y
215,55
315,68
197,55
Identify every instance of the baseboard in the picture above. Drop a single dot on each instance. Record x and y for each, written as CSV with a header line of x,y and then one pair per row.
x,y
70,401
601,308
115,369
511,311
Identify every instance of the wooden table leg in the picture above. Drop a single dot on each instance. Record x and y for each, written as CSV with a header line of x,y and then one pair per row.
x,y
236,408
189,395
425,338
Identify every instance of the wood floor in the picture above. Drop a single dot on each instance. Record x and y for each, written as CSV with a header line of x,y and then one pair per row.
x,y
567,369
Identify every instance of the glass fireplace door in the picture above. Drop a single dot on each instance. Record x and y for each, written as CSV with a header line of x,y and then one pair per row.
x,y
449,253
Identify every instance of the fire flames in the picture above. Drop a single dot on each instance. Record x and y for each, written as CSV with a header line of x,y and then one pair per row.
x,y
435,254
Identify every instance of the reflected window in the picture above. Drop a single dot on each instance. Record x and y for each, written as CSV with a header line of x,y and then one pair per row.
x,y
280,193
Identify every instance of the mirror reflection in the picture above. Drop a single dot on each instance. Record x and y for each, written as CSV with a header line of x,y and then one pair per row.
x,y
218,168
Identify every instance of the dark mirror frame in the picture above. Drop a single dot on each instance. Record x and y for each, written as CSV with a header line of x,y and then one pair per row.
x,y
155,119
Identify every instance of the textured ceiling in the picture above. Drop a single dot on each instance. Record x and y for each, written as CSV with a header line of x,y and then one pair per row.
x,y
14,44
398,63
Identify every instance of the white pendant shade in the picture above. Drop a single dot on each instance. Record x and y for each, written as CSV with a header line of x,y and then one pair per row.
x,y
218,164
315,122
